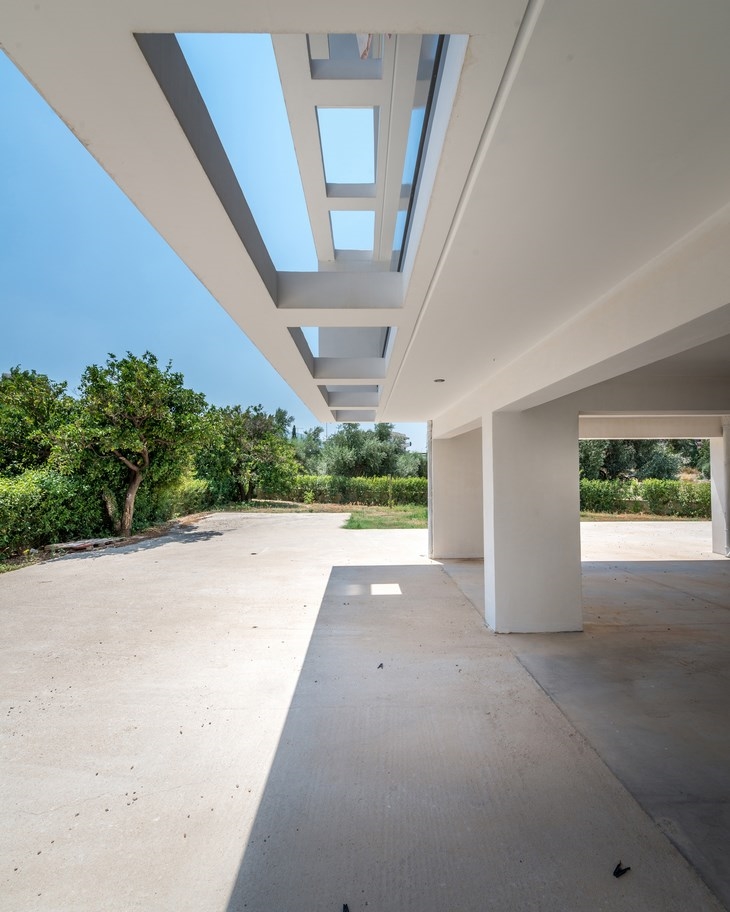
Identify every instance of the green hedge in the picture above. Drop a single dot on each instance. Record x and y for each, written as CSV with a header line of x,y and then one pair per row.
x,y
41,506
191,495
157,505
609,496
381,492
664,498
676,498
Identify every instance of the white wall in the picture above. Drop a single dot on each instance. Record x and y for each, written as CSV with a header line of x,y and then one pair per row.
x,y
720,490
456,497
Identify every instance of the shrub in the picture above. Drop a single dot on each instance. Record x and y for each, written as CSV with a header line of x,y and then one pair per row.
x,y
695,498
676,498
653,495
157,505
42,506
606,496
382,491
190,495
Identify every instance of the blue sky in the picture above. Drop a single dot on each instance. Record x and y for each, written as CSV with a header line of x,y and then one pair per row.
x,y
84,274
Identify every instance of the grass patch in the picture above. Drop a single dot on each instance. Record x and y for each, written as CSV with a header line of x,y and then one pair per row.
x,y
17,563
400,517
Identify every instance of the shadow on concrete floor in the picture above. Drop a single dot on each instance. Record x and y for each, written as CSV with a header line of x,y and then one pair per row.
x,y
183,534
420,768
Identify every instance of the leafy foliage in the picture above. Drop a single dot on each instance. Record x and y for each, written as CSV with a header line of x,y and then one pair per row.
x,y
41,506
382,491
676,498
663,497
616,459
591,454
245,450
354,452
694,453
133,420
308,450
614,496
32,409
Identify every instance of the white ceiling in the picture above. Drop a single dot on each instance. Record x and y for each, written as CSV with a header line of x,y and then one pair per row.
x,y
585,139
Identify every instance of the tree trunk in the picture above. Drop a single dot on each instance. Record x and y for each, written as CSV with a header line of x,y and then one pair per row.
x,y
110,503
128,511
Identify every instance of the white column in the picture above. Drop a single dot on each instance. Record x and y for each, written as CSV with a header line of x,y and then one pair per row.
x,y
532,520
455,515
720,490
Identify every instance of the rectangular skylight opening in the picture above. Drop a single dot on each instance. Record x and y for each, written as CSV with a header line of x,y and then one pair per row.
x,y
353,229
347,137
238,79
228,94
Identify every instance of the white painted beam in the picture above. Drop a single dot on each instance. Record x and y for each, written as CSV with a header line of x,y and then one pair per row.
x,y
352,400
319,47
645,427
341,317
346,415
292,59
392,141
341,371
324,290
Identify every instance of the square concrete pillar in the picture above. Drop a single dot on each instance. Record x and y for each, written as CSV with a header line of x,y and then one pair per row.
x,y
532,520
456,514
720,490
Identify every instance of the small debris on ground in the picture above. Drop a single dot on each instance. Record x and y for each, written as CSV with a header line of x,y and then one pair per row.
x,y
619,871
85,544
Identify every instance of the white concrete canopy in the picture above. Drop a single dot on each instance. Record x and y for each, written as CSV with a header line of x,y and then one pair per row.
x,y
585,151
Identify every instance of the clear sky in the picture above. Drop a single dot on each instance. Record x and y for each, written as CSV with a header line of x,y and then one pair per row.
x,y
83,274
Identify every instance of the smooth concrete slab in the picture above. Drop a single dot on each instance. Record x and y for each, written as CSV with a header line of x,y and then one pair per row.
x,y
647,683
270,712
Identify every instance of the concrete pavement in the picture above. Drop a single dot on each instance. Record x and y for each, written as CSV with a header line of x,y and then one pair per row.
x,y
202,722
647,683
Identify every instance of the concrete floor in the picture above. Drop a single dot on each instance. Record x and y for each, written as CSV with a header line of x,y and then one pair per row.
x,y
270,712
648,682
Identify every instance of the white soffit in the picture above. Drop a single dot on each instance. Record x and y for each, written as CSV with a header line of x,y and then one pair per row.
x,y
610,147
